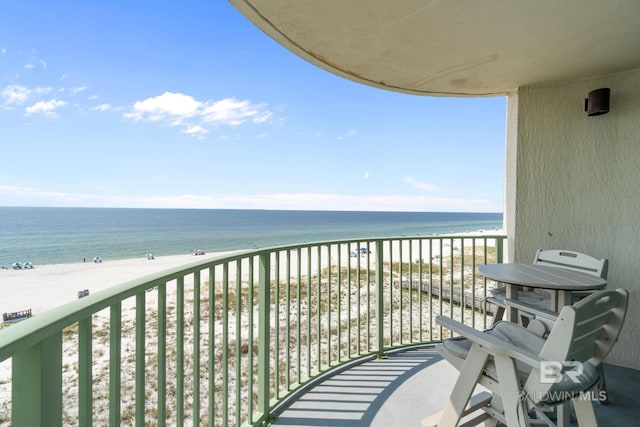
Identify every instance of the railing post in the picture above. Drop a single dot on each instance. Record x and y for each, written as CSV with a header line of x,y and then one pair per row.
x,y
162,355
140,375
196,347
37,384
85,369
380,298
264,333
180,351
115,364
499,250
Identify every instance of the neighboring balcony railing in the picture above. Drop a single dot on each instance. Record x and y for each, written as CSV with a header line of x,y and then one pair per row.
x,y
228,340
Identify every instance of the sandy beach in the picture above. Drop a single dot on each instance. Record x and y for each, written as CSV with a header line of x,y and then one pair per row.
x,y
46,286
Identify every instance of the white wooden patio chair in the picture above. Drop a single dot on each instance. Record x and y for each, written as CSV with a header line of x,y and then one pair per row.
x,y
525,373
546,300
543,303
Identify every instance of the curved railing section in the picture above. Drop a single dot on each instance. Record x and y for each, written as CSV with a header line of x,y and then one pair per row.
x,y
226,341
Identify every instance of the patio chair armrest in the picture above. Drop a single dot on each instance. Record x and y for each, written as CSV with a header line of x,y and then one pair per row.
x,y
492,344
531,309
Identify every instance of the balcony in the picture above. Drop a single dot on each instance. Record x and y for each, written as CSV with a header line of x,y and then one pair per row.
x,y
257,337
413,383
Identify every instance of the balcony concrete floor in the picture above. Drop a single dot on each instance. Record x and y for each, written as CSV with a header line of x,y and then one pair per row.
x,y
412,384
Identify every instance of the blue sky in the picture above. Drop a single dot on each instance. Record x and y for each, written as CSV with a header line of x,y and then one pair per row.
x,y
188,105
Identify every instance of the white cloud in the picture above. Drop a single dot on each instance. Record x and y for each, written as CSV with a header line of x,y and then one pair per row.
x,y
32,63
15,94
166,105
420,185
197,131
193,116
3,50
232,112
196,117
18,94
45,107
263,117
366,175
103,107
349,134
78,89
27,196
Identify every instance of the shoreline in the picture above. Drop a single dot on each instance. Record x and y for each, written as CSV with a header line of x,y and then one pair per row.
x,y
50,285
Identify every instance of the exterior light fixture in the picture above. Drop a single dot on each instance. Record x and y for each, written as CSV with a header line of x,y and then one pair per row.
x,y
598,102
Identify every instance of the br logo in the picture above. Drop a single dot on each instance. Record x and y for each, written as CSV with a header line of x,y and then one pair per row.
x,y
553,372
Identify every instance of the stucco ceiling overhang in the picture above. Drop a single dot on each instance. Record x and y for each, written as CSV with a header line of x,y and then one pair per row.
x,y
455,47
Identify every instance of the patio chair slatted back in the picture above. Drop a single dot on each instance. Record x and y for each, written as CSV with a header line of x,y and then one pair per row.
x,y
572,260
586,331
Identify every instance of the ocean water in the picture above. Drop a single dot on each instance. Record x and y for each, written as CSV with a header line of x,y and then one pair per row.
x,y
65,235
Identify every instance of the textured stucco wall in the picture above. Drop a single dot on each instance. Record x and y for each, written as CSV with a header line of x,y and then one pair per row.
x,y
578,183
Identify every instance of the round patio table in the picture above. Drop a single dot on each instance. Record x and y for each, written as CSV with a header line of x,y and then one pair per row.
x,y
562,280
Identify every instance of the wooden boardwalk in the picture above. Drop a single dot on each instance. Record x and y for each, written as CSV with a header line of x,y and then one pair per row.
x,y
456,296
